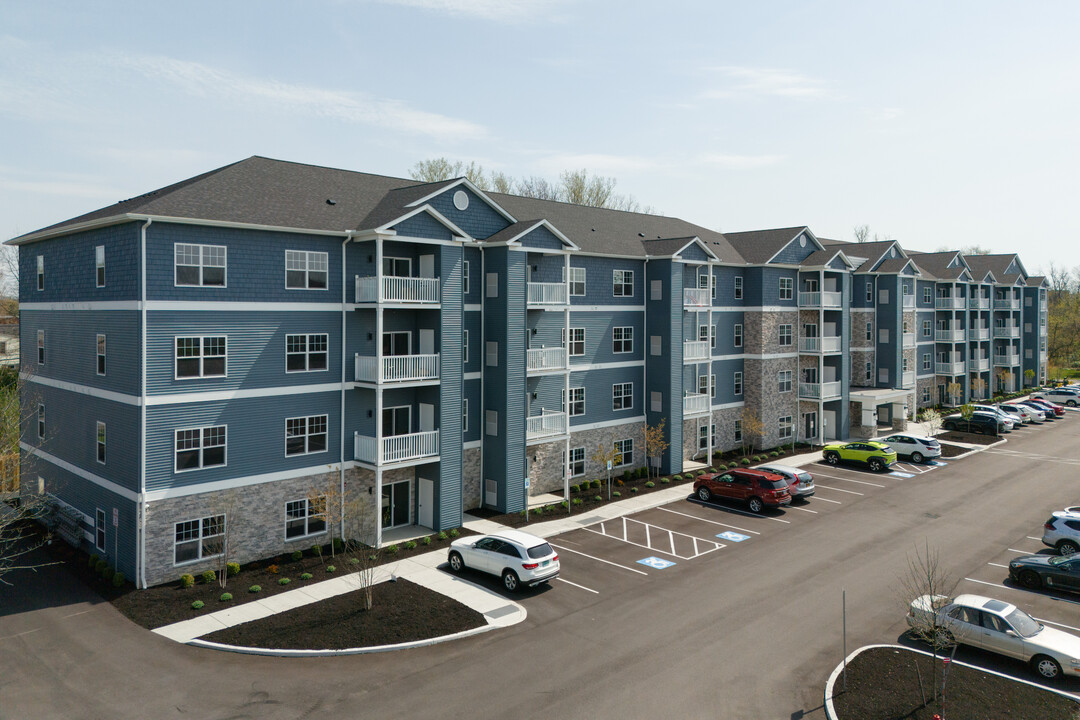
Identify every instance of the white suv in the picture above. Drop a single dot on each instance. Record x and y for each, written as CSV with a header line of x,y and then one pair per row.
x,y
916,447
1062,531
1062,396
518,558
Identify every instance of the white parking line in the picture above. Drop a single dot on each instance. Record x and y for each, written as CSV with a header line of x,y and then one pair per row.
x,y
818,498
695,517
740,512
796,507
830,487
707,545
1022,552
861,482
999,565
594,592
983,582
593,557
1034,538
1049,622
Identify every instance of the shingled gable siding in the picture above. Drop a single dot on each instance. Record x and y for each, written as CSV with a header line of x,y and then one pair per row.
x,y
663,374
599,283
549,268
71,347
423,225
255,264
598,325
694,252
542,238
70,266
837,263
479,219
793,253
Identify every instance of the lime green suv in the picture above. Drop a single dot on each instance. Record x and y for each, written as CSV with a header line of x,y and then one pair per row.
x,y
874,454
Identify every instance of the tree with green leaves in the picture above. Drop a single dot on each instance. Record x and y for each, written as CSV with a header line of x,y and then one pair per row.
x,y
655,445
605,456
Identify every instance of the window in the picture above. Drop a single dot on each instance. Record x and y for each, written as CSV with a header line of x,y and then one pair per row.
x,y
624,452
305,517
883,335
703,436
738,288
926,328
737,383
707,333
199,539
656,401
465,278
492,289
926,361
926,394
787,288
465,415
622,283
869,332
577,461
577,281
622,340
707,280
738,431
786,427
200,357
200,265
41,422
40,272
306,353
305,435
904,327
738,335
656,289
869,371
397,267
41,347
656,345
306,270
707,385
577,401
622,396
99,529
99,264
200,448
464,347
869,291
785,335
927,295
577,341
100,354
101,443
784,381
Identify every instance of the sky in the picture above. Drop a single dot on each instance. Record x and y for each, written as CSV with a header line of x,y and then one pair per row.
x,y
937,124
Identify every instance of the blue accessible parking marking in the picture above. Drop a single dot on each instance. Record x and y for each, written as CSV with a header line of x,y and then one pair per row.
x,y
732,536
657,563
900,474
937,463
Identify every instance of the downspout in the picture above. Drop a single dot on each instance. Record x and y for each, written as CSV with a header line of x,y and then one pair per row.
x,y
483,374
344,356
140,521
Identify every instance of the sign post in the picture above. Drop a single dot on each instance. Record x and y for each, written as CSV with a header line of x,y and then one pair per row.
x,y
526,499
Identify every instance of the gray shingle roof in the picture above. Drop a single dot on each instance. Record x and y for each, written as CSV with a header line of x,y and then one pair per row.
x,y
820,257
893,265
758,246
937,264
996,264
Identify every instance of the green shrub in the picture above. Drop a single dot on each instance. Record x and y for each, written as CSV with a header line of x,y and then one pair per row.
x,y
99,566
774,454
225,597
411,545
354,561
118,579
538,511
616,493
208,576
316,550
745,462
187,580
255,589
198,605
339,545
597,498
426,540
634,489
642,472
596,484
665,480
575,488
712,470
576,501
232,568
297,555
306,576
454,532
564,504
331,568
104,570
781,451
650,484
284,581
441,535
92,564
392,549
626,475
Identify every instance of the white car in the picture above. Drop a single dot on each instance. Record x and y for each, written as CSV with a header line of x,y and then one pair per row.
x,y
1028,415
1061,396
916,447
518,558
999,627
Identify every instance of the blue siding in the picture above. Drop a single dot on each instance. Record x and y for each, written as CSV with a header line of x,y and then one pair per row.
x,y
763,286
476,276
793,253
478,219
599,284
471,392
598,335
663,317
471,323
71,347
70,269
889,317
694,252
598,398
448,498
725,286
545,268
541,237
423,225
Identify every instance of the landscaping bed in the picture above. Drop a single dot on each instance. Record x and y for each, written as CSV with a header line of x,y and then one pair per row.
x,y
948,450
400,612
882,684
969,438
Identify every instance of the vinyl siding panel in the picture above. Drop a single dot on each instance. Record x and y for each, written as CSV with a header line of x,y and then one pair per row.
x,y
423,225
795,252
694,252
599,283
598,394
71,347
541,237
598,335
479,219
70,268
448,498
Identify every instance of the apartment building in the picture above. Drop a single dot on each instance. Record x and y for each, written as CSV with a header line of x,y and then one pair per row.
x,y
225,354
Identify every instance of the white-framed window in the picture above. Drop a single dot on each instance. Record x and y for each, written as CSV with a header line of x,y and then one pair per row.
x,y
869,291
199,539
926,361
577,281
869,332
786,427
99,529
396,267
703,435
304,518
99,265
927,295
465,415
783,381
464,347
926,329
926,394
707,333
40,272
737,383
200,447
41,422
306,270
577,341
100,354
738,335
785,335
200,265
869,371
622,283
41,347
201,357
624,452
465,278
577,401
307,353
101,443
787,288
622,340
738,288
737,436
622,396
705,387
577,462
305,435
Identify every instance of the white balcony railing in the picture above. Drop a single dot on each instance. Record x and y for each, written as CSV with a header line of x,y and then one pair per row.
x,y
980,333
397,289
695,350
539,359
694,403
396,448
696,297
1006,331
979,364
909,340
1006,304
397,368
949,336
821,299
547,424
907,379
820,391
950,303
978,303
909,301
1007,360
950,368
548,293
827,344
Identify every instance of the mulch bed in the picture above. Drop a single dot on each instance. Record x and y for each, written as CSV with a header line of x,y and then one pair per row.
x,y
969,438
400,612
948,450
882,684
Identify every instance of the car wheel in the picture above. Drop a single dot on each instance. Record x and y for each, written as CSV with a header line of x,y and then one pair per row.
x,y
704,494
1030,579
917,457
949,426
1046,666
978,430
1068,547
756,505
457,563
510,580
832,458
1070,403
876,465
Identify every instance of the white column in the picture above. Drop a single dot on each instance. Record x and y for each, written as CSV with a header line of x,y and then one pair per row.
x,y
378,392
709,381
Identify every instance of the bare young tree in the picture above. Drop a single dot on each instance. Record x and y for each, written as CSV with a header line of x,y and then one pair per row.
x,y
537,187
326,499
953,390
605,456
753,430
655,445
227,505
978,387
360,548
932,419
927,584
862,233
440,168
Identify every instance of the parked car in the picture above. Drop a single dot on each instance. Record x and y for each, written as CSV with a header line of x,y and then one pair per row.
x,y
1011,421
800,482
864,452
1064,396
1024,413
757,488
1037,571
517,557
916,447
1052,408
1062,532
980,424
1002,628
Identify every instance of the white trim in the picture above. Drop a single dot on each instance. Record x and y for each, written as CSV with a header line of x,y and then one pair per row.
x,y
599,308
83,389
730,405
770,356
307,434
231,483
472,376
99,305
435,214
605,424
802,230
200,429
85,475
472,445
225,268
201,357
544,223
307,277
476,191
605,366
241,394
472,307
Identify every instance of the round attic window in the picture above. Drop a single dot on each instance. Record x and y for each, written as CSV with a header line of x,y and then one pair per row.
x,y
461,200
802,241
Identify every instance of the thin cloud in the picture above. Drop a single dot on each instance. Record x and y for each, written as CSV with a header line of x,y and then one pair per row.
x,y
497,10
765,81
597,163
91,190
741,162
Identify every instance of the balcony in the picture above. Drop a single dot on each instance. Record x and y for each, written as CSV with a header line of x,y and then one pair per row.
x,y
978,303
696,297
821,299
695,351
539,360
982,333
826,344
695,404
1006,331
909,340
909,302
1006,304
547,424
820,391
950,303
546,294
390,289
949,336
979,364
907,379
950,369
396,448
397,368
1007,360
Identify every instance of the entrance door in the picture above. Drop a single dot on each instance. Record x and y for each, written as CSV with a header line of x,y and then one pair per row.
x,y
427,266
395,504
427,417
427,342
396,420
810,427
811,285
425,502
396,343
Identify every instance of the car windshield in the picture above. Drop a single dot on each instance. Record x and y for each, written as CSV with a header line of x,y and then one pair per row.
x,y
1023,623
539,551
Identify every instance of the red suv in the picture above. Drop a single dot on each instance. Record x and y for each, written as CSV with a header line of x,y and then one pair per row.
x,y
757,488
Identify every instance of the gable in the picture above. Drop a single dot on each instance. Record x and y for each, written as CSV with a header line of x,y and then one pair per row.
x,y
542,238
908,270
479,219
423,225
837,263
693,251
800,247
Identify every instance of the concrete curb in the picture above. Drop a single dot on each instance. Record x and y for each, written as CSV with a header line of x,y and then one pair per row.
x,y
830,711
977,449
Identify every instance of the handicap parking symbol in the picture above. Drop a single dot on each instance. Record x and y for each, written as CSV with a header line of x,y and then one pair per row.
x,y
900,474
655,562
937,463
732,536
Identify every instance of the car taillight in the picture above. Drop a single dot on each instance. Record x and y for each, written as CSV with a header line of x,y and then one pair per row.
x,y
555,559
531,566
